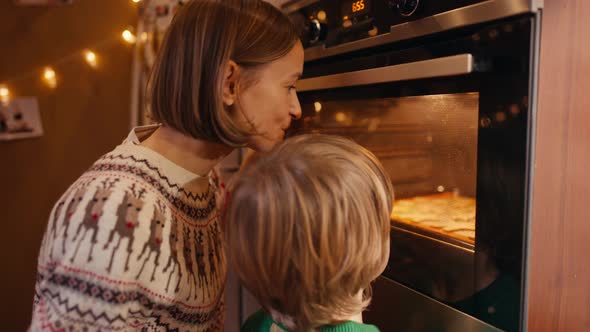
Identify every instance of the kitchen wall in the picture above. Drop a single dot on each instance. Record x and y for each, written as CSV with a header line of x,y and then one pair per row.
x,y
84,117
559,274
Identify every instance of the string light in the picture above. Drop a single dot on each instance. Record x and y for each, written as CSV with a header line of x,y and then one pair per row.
x,y
129,37
90,58
50,77
136,1
4,93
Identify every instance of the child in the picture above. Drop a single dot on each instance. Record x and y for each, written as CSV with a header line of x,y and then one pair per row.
x,y
307,231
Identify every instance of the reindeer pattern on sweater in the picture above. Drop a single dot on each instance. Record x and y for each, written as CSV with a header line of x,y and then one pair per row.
x,y
128,248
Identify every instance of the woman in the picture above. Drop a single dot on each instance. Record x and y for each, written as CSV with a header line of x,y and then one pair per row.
x,y
134,243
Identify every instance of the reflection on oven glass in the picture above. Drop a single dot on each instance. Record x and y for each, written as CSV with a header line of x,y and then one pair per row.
x,y
425,142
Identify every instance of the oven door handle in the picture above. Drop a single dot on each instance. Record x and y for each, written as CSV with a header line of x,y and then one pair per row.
x,y
460,64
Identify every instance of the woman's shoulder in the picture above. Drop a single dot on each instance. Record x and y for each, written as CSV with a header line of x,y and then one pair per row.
x,y
136,163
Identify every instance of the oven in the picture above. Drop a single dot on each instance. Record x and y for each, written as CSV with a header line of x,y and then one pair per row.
x,y
443,92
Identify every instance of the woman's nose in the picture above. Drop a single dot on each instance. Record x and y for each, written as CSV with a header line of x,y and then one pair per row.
x,y
295,111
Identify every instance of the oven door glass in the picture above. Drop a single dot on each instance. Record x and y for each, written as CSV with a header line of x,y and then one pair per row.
x,y
451,130
428,145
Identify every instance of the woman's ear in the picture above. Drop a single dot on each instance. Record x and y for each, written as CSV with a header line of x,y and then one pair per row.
x,y
231,76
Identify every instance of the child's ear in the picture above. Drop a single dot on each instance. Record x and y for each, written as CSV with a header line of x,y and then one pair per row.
x,y
231,77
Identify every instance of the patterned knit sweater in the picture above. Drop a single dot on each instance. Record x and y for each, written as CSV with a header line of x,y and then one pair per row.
x,y
133,244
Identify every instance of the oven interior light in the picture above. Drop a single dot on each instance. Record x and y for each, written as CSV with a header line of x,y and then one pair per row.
x,y
317,106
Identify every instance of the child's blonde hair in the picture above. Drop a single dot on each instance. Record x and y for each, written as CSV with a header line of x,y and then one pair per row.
x,y
307,229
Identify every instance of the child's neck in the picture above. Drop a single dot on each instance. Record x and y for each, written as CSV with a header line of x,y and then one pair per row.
x,y
358,318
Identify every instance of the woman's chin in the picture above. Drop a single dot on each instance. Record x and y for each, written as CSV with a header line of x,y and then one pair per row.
x,y
263,144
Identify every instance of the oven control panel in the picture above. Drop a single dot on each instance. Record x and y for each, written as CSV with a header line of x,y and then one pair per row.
x,y
404,7
335,22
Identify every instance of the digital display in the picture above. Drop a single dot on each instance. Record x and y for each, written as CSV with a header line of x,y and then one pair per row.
x,y
355,7
358,6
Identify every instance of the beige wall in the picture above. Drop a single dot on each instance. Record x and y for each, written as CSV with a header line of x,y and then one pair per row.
x,y
83,118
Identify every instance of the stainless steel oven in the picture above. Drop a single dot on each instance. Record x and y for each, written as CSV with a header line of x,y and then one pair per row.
x,y
442,91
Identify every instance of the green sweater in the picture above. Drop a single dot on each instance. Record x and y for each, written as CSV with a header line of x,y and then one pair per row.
x,y
262,322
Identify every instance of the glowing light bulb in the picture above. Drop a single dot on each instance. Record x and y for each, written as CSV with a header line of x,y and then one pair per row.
x,y
49,77
317,106
129,37
90,58
4,93
136,1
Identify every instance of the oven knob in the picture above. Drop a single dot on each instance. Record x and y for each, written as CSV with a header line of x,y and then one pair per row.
x,y
405,7
314,31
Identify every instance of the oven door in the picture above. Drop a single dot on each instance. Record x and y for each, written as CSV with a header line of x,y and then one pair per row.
x,y
449,121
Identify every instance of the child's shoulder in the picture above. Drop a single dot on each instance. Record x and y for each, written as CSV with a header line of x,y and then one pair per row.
x,y
260,322
351,327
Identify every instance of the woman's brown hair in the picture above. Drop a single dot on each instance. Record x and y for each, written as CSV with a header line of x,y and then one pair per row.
x,y
186,84
307,229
